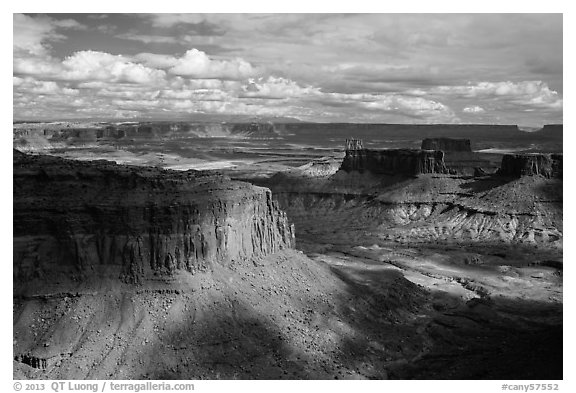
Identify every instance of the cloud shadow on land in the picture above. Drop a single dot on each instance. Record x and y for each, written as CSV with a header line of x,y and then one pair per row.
x,y
227,344
486,339
377,325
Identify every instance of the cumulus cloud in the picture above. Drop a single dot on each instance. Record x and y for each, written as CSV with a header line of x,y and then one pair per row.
x,y
415,107
42,67
156,60
32,86
380,107
52,88
197,64
92,65
535,94
275,88
333,68
473,109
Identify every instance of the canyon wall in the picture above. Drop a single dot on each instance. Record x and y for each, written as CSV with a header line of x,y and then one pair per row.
x,y
518,165
394,161
80,217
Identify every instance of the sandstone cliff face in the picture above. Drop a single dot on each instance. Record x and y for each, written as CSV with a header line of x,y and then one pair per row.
x,y
394,161
81,216
518,165
446,144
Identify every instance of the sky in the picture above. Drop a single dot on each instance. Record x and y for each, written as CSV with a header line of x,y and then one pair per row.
x,y
372,68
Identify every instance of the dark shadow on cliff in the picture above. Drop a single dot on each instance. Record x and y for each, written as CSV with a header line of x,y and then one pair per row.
x,y
236,341
379,326
481,339
552,191
371,323
484,183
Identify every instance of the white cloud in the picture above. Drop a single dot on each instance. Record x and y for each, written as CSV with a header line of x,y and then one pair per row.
x,y
473,109
197,64
417,107
205,84
43,67
33,87
32,33
483,89
155,60
52,88
92,65
535,94
275,88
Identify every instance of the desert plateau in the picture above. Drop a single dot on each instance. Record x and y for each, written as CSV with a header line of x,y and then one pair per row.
x,y
359,264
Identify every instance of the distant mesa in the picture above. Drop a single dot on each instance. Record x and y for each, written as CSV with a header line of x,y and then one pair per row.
x,y
393,161
354,144
550,131
40,137
552,128
518,165
458,160
446,144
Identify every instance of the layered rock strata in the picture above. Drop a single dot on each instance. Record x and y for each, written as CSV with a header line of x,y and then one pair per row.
x,y
518,165
394,161
82,216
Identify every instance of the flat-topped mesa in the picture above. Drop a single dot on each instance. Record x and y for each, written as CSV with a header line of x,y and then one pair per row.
x,y
531,164
74,217
552,129
354,144
446,144
394,161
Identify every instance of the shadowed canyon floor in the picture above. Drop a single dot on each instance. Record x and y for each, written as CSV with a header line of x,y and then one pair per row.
x,y
435,276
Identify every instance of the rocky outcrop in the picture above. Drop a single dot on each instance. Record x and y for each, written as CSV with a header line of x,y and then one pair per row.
x,y
518,165
319,168
394,161
446,144
80,217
